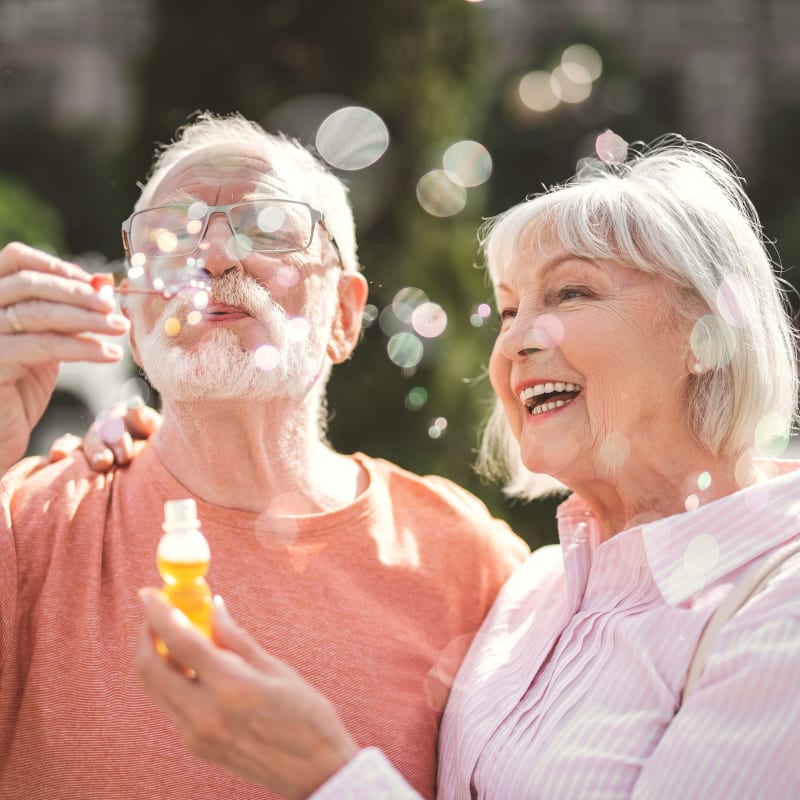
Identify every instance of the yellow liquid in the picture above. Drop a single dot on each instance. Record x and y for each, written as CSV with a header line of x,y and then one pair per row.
x,y
186,589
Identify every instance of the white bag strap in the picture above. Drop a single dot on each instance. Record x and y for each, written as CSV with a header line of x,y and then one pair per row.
x,y
750,583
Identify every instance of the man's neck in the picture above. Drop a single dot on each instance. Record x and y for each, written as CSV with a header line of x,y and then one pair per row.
x,y
260,457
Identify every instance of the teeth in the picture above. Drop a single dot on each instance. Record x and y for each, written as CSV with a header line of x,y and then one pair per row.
x,y
547,388
548,407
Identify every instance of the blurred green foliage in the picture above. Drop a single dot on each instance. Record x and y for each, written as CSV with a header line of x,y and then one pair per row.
x,y
24,217
429,68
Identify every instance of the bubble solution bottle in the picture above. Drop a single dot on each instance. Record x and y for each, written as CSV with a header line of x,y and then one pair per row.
x,y
183,558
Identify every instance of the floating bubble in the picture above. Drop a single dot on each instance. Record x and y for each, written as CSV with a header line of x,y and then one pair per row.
x,y
271,219
172,327
429,320
610,148
772,435
438,428
614,451
476,320
297,329
369,315
286,276
547,332
388,321
194,226
467,163
197,210
713,341
134,389
404,349
582,59
105,292
408,372
701,555
406,301
439,196
238,247
536,91
568,90
692,502
736,302
166,241
267,357
109,426
485,310
416,398
703,481
200,299
138,261
352,138
194,317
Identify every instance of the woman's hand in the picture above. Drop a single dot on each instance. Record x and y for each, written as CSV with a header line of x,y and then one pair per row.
x,y
241,709
109,439
48,309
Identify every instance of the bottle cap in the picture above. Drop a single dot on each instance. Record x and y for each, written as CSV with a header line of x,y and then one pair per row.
x,y
180,514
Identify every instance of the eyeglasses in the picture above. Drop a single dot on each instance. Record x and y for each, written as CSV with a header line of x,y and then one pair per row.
x,y
261,226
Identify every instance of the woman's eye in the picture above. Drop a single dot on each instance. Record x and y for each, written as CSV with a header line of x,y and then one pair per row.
x,y
507,313
572,293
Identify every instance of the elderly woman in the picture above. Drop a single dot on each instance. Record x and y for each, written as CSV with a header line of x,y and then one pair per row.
x,y
644,361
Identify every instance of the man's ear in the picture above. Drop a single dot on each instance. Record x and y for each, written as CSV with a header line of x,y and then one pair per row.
x,y
123,307
346,327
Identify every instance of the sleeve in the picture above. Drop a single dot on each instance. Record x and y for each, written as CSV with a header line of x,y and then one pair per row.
x,y
736,735
367,776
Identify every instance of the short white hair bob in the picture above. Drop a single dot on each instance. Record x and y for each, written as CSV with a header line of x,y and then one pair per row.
x,y
310,180
676,208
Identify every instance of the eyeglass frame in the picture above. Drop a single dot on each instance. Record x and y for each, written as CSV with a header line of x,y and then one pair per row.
x,y
316,217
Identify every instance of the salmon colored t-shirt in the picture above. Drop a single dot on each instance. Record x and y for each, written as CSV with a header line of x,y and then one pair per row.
x,y
373,604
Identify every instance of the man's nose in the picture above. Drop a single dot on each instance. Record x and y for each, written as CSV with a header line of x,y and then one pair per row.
x,y
218,247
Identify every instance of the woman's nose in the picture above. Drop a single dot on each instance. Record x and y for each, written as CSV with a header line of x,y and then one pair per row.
x,y
531,334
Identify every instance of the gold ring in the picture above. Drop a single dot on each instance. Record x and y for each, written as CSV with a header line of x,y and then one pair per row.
x,y
13,320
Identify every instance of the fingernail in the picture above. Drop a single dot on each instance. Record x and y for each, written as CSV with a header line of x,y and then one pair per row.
x,y
117,322
97,459
220,608
118,454
110,349
179,618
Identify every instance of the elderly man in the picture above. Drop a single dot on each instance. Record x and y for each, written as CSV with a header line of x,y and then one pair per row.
x,y
367,580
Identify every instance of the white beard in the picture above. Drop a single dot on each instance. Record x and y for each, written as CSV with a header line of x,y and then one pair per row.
x,y
218,368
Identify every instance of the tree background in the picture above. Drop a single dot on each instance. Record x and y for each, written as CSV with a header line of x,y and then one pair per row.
x,y
435,74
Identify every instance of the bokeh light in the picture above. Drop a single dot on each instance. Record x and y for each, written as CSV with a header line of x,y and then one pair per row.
x,y
736,302
405,349
437,428
406,301
703,481
429,320
267,357
134,389
772,435
369,315
536,91
172,327
416,398
467,163
352,138
568,90
611,148
582,59
194,317
439,196
713,341
297,329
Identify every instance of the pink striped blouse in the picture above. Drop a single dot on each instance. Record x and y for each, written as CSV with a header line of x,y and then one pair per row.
x,y
572,687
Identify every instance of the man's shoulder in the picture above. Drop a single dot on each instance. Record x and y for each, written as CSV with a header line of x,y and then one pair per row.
x,y
445,504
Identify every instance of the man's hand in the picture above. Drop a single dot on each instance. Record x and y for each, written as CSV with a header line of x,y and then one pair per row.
x,y
241,709
109,439
48,311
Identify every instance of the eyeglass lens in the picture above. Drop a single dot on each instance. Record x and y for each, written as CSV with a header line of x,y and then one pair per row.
x,y
258,225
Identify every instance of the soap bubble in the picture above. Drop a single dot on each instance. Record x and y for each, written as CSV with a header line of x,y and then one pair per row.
x,y
429,320
405,349
352,138
467,163
439,196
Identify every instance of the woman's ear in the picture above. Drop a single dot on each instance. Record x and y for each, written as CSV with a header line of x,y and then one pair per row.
x,y
346,327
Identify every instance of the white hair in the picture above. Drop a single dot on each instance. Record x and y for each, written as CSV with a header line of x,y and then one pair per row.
x,y
311,181
676,208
